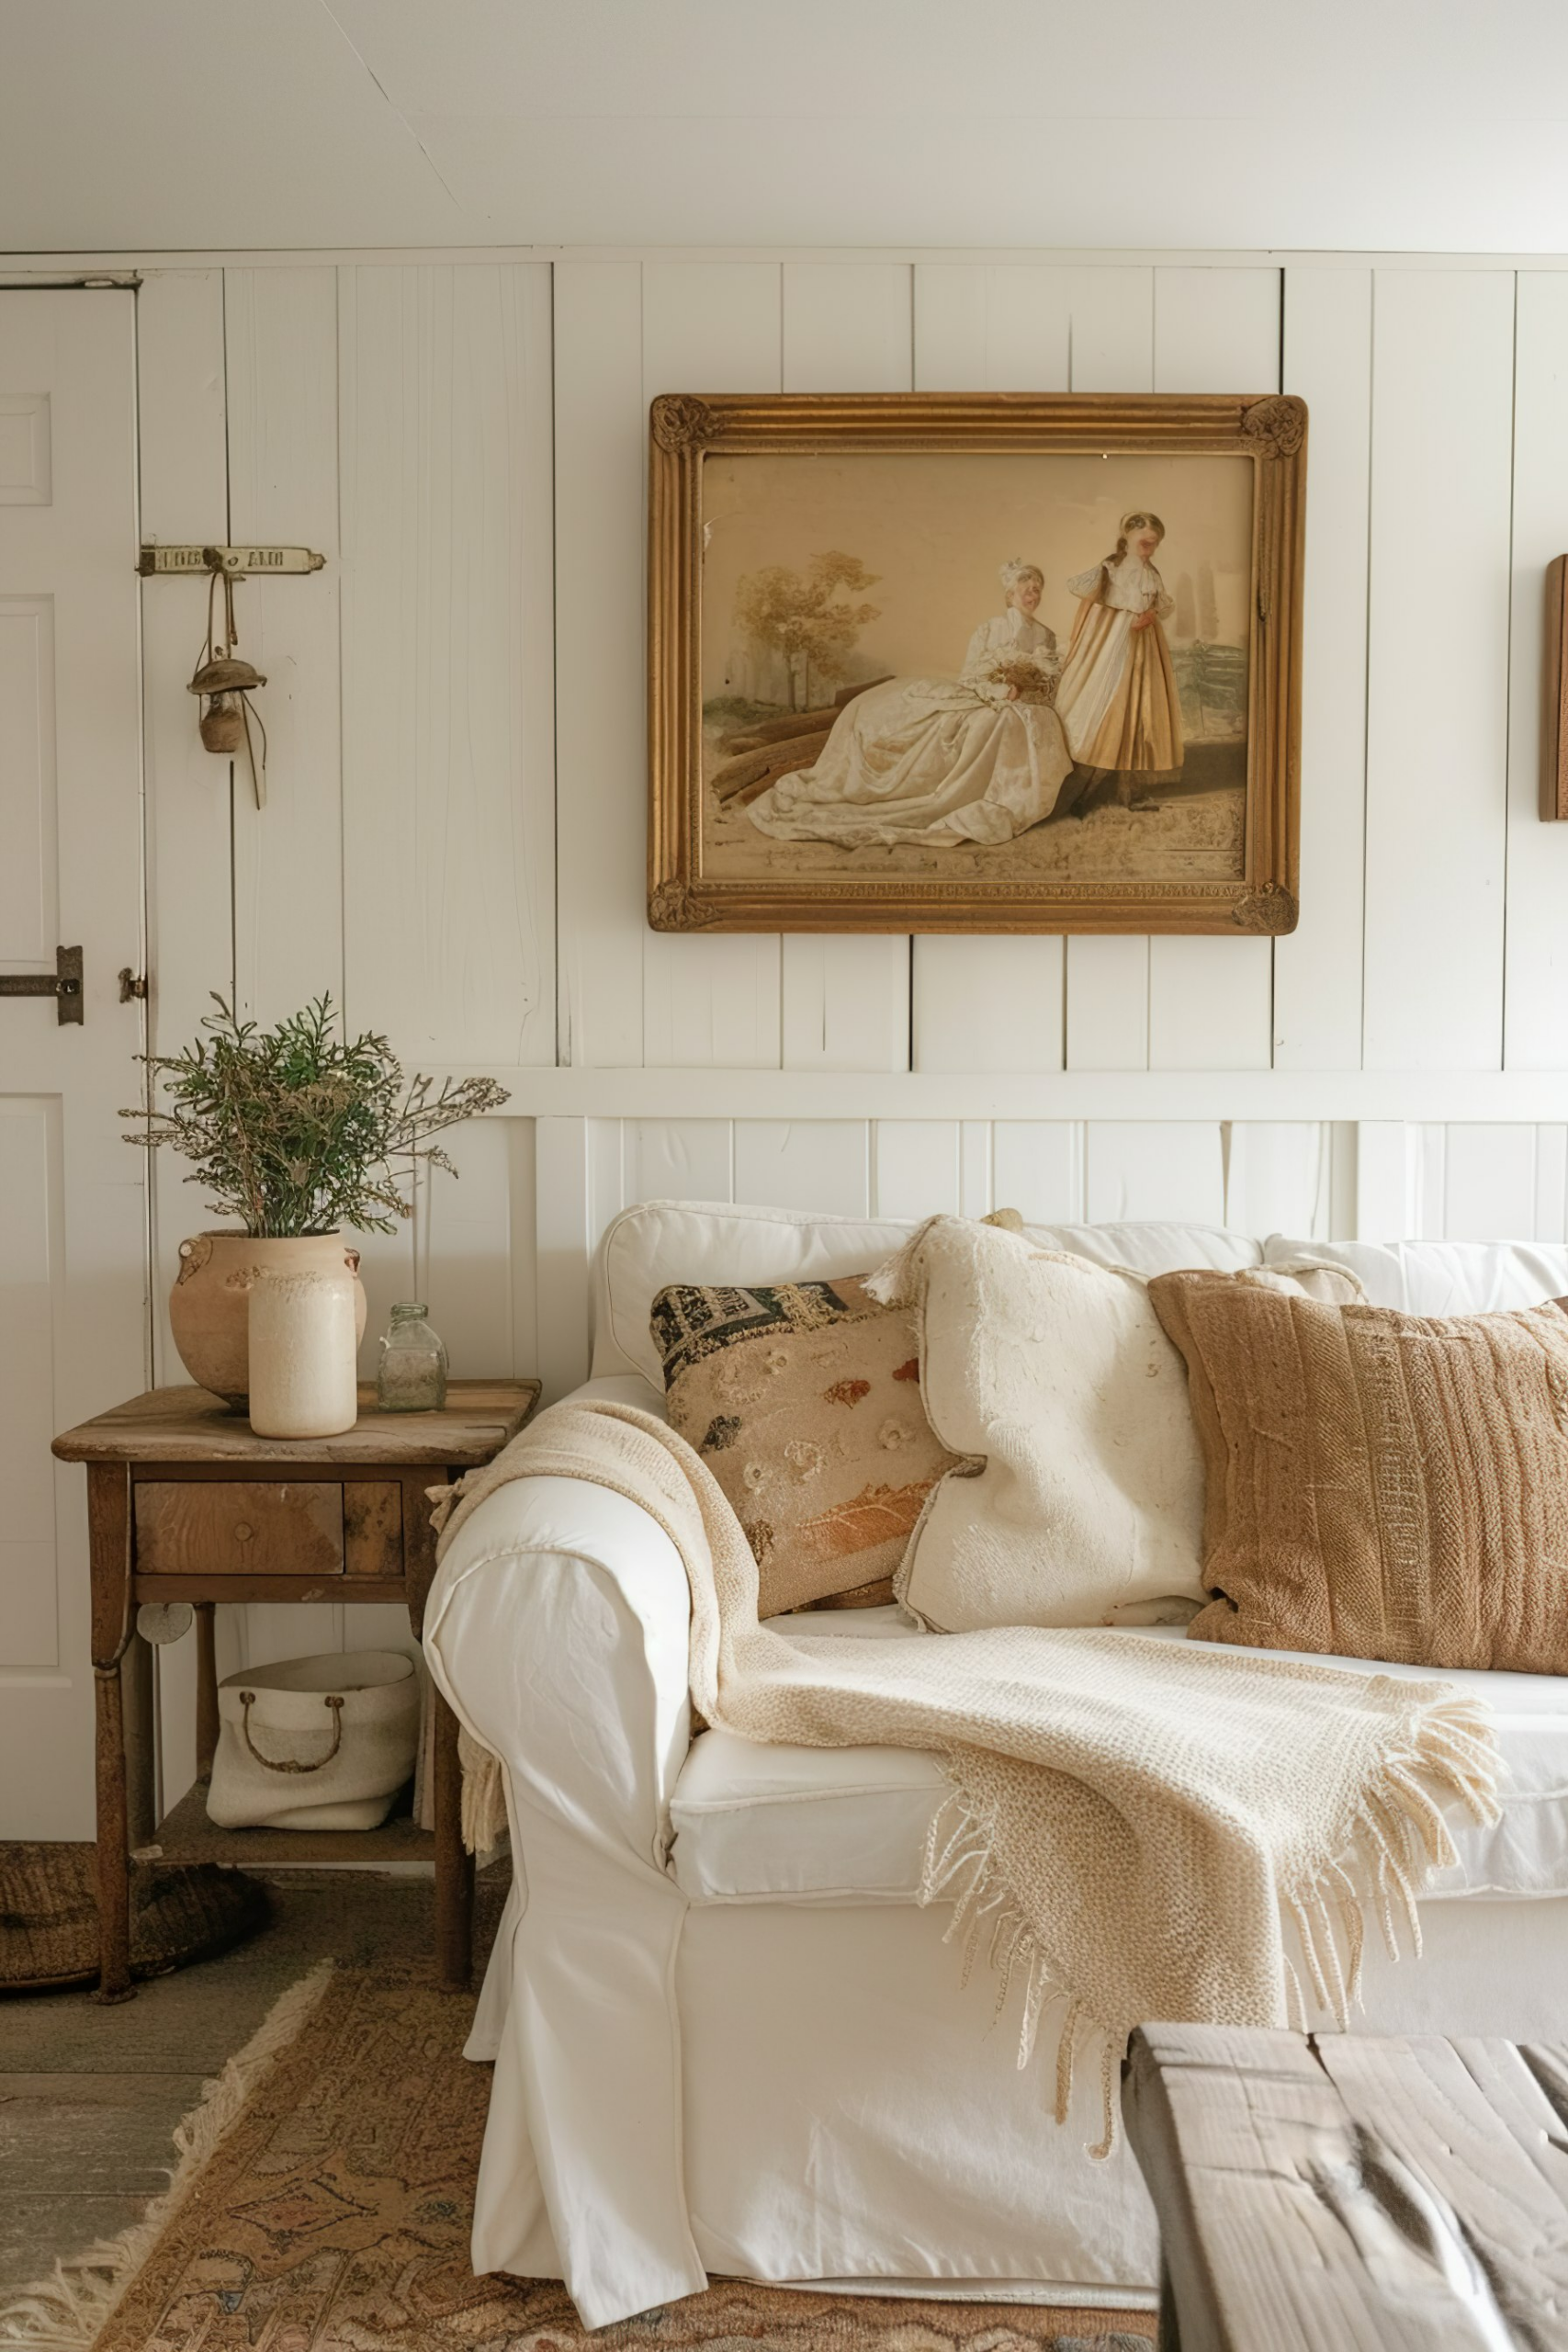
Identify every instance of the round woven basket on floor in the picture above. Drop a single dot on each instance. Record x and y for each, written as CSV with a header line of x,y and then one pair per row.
x,y
49,1916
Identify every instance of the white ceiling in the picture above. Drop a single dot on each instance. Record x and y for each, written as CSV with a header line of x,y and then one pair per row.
x,y
148,125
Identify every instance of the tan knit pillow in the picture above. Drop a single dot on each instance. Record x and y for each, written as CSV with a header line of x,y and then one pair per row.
x,y
1379,1485
803,1401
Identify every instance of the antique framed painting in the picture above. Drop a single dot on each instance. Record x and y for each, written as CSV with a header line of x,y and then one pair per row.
x,y
998,662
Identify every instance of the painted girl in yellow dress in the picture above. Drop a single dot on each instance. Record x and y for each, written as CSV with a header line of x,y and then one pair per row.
x,y
1117,698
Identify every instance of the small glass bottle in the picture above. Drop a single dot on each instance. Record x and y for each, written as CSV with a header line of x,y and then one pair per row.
x,y
412,1376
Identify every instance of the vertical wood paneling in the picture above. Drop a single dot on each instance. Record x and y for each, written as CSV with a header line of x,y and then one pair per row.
x,y
711,327
991,327
1489,1184
975,1194
181,400
1112,345
1387,1182
847,328
1551,1183
1107,980
1037,1168
1211,1000
465,1243
448,803
822,1164
681,1159
916,1168
846,1003
1278,1179
1317,969
563,1248
601,758
988,1003
181,404
1437,682
1536,996
1173,1169
281,337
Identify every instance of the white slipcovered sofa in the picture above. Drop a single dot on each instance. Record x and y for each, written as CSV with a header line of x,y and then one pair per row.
x,y
727,2037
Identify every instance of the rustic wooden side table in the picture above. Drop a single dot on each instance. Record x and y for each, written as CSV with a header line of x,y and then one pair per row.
x,y
186,1503
1343,2193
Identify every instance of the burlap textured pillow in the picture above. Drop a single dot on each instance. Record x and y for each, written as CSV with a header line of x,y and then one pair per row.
x,y
1379,1485
803,1401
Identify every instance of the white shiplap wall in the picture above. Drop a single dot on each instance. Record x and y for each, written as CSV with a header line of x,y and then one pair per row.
x,y
454,840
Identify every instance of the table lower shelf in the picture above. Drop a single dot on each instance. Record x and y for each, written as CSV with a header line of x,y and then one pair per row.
x,y
185,1834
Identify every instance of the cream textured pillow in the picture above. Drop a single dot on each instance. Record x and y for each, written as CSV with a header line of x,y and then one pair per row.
x,y
1380,1485
803,1401
1083,1502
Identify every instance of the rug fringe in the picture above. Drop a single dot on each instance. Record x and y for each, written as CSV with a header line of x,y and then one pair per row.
x,y
68,2312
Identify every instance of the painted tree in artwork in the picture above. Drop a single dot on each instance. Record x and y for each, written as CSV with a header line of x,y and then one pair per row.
x,y
809,618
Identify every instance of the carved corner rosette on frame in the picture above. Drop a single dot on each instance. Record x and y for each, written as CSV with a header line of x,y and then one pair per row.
x,y
682,421
674,906
1270,910
1277,424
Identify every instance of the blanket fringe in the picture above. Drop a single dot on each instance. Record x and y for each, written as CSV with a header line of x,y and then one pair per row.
x,y
960,1863
484,1795
1393,1843
68,2312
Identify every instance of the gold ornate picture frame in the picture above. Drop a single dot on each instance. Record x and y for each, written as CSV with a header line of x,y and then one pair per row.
x,y
991,662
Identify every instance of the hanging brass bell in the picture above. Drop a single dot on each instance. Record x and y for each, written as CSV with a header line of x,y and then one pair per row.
x,y
224,682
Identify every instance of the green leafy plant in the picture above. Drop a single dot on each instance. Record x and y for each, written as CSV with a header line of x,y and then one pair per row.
x,y
296,1130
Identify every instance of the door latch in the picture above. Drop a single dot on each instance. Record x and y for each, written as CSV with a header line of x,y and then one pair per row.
x,y
65,988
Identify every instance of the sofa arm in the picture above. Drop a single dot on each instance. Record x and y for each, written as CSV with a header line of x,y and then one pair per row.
x,y
557,1628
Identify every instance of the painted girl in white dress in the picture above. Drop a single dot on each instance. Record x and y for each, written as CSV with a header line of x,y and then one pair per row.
x,y
977,758
1118,699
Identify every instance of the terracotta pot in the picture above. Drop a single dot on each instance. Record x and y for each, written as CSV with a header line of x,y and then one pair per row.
x,y
209,1305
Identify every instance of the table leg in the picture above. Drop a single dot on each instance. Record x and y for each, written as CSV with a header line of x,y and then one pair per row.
x,y
114,1841
140,1740
454,1867
206,1688
108,1539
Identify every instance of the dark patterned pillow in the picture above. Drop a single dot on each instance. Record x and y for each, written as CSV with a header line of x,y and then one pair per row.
x,y
804,1399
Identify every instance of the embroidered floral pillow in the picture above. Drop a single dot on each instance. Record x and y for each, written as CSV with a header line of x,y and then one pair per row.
x,y
805,1403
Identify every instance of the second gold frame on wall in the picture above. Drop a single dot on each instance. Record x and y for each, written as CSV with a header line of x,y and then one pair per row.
x,y
991,662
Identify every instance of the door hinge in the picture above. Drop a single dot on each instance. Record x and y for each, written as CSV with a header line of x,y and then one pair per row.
x,y
131,984
65,988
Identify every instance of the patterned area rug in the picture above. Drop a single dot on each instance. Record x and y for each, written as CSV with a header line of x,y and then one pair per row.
x,y
322,2204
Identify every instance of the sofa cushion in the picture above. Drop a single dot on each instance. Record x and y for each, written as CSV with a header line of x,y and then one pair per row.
x,y
803,1401
848,1825
659,1242
1437,1277
1081,1502
1379,1484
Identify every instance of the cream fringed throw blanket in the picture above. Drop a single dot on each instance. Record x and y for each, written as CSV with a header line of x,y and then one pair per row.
x,y
1131,1823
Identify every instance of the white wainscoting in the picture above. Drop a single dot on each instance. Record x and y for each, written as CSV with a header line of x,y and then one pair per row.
x,y
453,839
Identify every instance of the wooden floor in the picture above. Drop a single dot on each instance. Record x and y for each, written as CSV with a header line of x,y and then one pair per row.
x,y
90,2096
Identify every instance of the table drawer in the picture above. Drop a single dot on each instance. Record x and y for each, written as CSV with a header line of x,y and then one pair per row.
x,y
212,1527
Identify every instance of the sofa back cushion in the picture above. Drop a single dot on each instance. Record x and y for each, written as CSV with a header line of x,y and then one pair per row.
x,y
1437,1277
657,1243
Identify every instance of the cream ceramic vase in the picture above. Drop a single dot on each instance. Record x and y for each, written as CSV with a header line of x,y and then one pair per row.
x,y
209,1305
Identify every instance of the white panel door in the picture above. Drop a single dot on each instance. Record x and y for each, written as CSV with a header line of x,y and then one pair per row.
x,y
72,1289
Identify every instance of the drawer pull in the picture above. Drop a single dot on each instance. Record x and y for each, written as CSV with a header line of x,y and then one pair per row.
x,y
248,1700
243,1533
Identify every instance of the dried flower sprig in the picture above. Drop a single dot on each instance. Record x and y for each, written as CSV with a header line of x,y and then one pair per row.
x,y
295,1130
